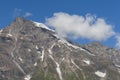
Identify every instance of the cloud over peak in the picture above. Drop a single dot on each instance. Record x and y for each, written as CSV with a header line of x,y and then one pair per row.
x,y
28,14
19,12
88,27
118,41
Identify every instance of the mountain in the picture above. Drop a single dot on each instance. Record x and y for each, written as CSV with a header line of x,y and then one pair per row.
x,y
31,51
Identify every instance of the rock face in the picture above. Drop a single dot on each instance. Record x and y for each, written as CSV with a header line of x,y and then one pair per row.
x,y
31,51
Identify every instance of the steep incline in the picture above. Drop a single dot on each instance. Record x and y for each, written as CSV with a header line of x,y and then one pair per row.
x,y
31,51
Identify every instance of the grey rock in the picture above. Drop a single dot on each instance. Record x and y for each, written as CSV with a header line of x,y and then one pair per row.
x,y
31,52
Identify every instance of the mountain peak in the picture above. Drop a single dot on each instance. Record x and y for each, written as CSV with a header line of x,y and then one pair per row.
x,y
19,20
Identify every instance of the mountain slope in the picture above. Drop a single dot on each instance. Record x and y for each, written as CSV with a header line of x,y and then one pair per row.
x,y
31,51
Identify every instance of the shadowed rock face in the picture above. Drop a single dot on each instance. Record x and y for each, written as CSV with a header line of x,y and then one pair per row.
x,y
30,51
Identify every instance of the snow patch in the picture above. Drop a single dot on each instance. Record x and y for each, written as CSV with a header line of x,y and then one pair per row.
x,y
59,45
119,70
1,31
37,24
117,65
20,59
73,46
12,54
21,38
79,69
42,57
75,65
87,51
64,41
35,64
27,77
19,67
59,71
57,68
38,52
49,50
100,74
29,50
36,47
9,35
86,61
63,59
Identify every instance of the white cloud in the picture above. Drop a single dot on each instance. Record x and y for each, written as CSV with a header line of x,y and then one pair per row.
x,y
88,27
118,41
28,14
17,12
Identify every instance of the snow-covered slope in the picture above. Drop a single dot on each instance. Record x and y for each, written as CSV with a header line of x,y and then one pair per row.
x,y
38,24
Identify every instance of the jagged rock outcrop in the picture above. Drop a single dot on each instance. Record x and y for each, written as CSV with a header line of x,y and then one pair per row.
x,y
31,51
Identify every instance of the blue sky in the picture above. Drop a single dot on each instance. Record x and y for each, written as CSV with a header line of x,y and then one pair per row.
x,y
109,10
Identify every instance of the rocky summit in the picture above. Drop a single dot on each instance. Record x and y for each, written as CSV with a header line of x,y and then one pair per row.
x,y
31,51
